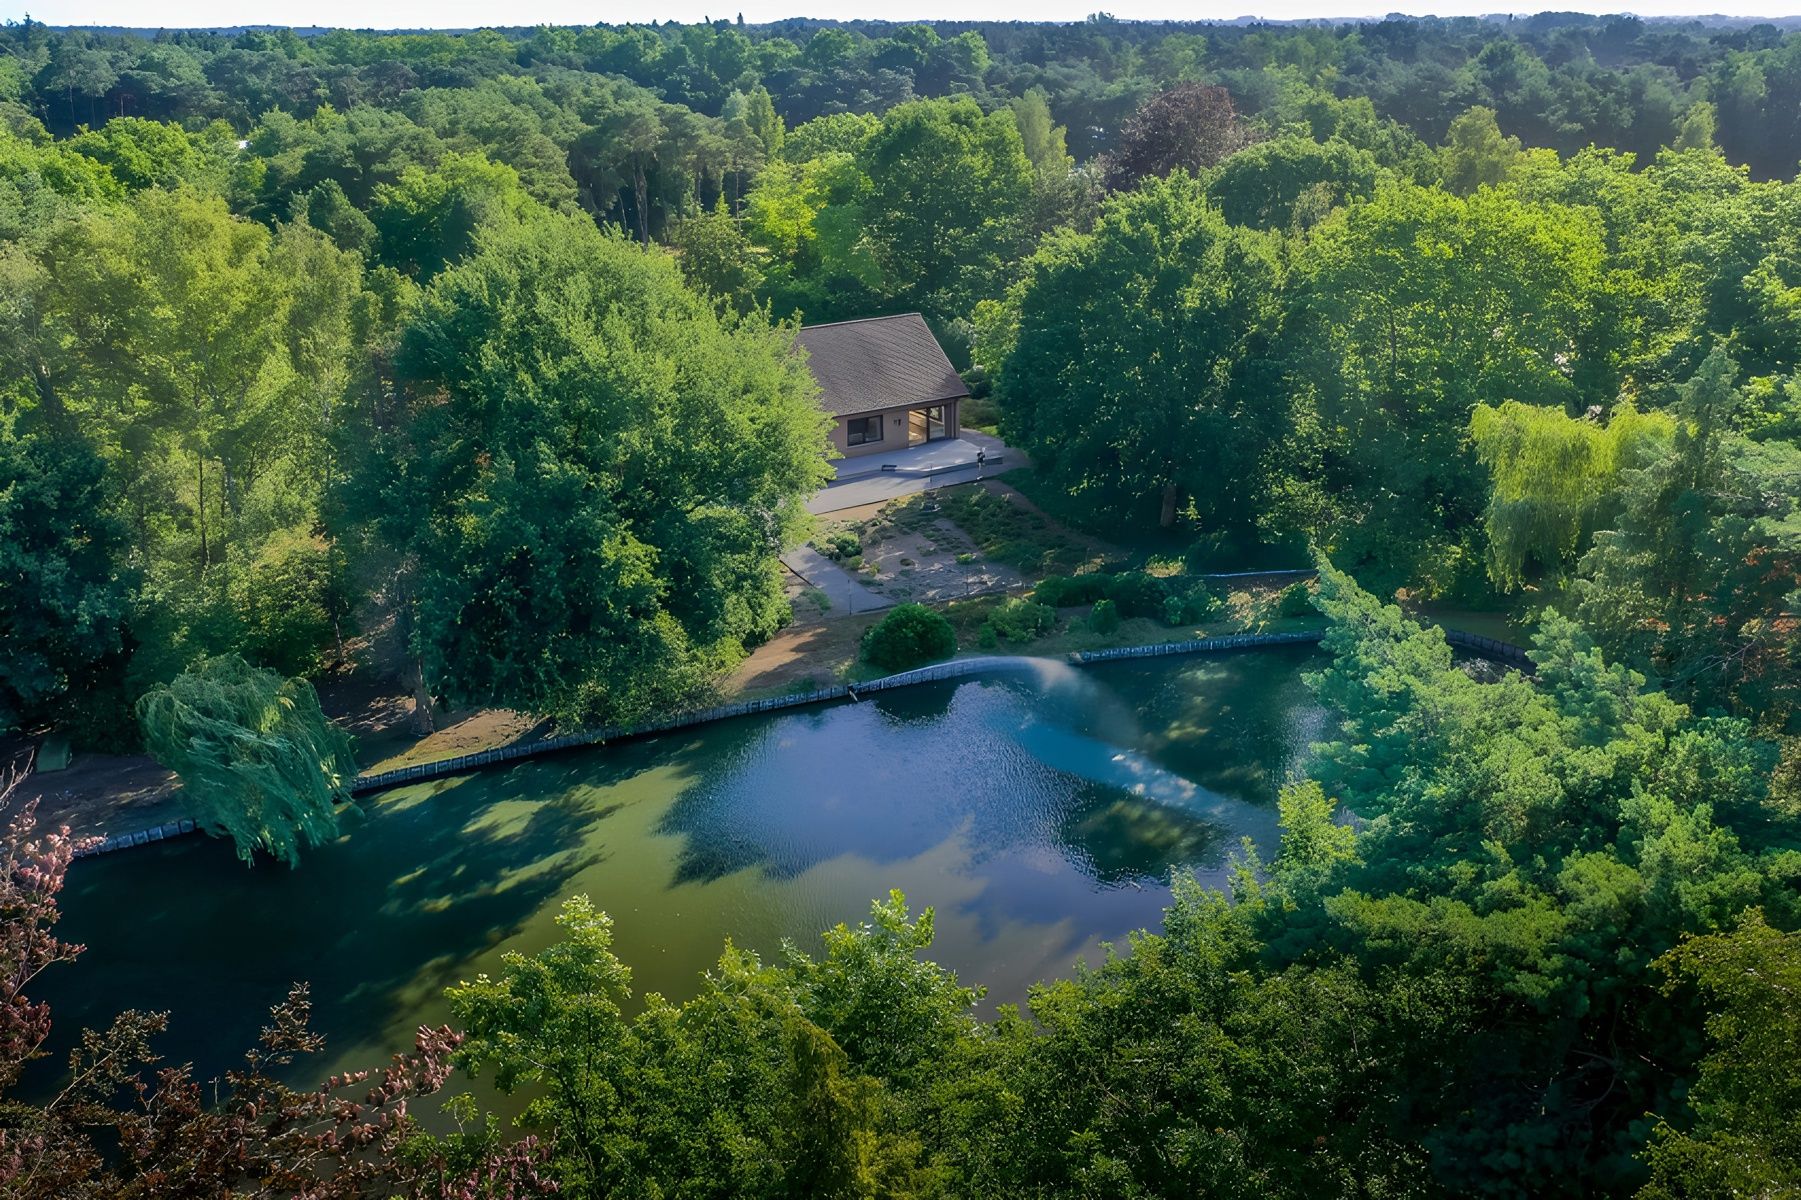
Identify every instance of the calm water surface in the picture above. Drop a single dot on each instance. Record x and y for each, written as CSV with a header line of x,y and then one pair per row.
x,y
1040,811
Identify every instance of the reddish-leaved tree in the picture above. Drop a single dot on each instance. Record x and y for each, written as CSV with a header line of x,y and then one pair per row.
x,y
110,1132
1190,126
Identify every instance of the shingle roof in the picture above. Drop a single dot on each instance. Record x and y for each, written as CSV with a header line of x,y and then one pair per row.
x,y
879,362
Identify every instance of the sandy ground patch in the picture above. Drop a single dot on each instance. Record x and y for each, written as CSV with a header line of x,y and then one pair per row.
x,y
98,794
807,654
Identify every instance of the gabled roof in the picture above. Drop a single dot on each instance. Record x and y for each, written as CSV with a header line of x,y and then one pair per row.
x,y
879,362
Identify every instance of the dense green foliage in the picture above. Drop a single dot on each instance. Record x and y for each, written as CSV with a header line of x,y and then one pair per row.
x,y
258,761
62,606
1492,983
594,478
910,635
1748,1092
474,350
1303,267
1551,477
1164,301
1059,591
1695,574
1017,619
1296,600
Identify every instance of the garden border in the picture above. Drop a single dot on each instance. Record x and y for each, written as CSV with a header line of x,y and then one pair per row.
x,y
443,768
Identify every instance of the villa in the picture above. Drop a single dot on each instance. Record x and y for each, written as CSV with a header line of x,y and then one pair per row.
x,y
886,381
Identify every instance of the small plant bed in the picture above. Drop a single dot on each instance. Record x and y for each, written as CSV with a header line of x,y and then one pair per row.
x,y
999,527
813,652
925,561
956,542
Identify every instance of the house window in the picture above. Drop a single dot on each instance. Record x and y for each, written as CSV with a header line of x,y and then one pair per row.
x,y
859,431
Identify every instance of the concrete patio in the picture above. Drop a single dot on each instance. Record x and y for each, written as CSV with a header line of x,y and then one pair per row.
x,y
873,478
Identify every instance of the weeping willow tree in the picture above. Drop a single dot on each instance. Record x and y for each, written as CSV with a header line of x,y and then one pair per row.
x,y
1552,478
258,760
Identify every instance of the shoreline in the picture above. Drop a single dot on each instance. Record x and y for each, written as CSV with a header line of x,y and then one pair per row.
x,y
370,783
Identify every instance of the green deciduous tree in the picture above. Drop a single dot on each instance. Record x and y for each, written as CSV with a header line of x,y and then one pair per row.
x,y
765,123
594,477
948,188
1553,479
746,1090
1291,182
65,591
1134,368
1476,154
427,219
205,359
1692,578
717,258
1697,129
1404,314
1746,1139
258,761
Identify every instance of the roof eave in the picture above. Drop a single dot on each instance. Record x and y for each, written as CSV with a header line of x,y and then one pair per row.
x,y
863,412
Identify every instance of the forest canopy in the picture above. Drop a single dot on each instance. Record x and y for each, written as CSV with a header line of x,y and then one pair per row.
x,y
1426,294
471,355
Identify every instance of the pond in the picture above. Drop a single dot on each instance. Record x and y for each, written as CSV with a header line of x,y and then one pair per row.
x,y
1040,811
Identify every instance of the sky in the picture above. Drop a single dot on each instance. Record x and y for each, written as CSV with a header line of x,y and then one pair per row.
x,y
452,14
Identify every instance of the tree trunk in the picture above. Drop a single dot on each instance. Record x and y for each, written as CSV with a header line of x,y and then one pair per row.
x,y
424,719
1169,506
641,194
200,508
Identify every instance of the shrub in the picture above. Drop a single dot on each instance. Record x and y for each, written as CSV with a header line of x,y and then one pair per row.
x,y
979,411
986,638
840,545
1062,591
1022,554
911,634
285,600
964,560
1296,600
1137,594
1020,620
1196,603
1104,616
1205,552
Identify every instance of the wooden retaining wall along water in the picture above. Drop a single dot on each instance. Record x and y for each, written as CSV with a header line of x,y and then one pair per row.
x,y
1504,652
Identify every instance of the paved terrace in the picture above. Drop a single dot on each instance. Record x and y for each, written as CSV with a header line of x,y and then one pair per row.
x,y
867,479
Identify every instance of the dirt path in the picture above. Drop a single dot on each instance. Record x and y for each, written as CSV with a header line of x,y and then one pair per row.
x,y
99,794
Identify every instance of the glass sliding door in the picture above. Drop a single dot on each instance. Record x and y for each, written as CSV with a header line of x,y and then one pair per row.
x,y
926,425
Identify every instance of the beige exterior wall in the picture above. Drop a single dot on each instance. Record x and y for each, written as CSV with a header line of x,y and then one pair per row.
x,y
894,429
